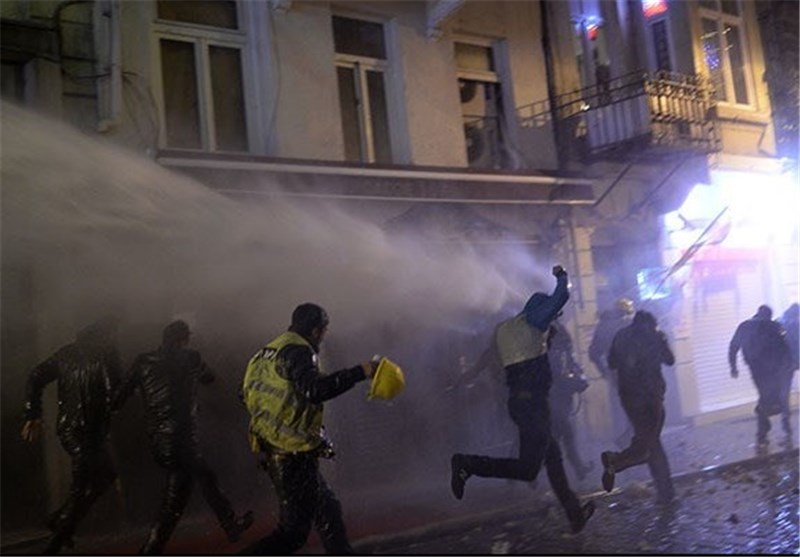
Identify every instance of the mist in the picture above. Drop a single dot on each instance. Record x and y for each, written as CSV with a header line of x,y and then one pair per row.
x,y
113,231
94,229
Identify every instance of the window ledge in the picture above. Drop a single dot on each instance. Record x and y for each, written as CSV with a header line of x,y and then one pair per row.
x,y
744,115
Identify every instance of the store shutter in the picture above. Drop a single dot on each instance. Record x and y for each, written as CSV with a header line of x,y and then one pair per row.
x,y
716,314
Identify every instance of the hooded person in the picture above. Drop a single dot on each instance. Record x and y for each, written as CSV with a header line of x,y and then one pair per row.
x,y
767,354
87,372
167,379
522,344
637,353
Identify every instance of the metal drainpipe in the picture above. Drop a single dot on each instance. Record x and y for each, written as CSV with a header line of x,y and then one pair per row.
x,y
113,91
551,87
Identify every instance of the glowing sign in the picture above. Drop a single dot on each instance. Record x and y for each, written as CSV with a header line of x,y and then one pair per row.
x,y
591,25
654,7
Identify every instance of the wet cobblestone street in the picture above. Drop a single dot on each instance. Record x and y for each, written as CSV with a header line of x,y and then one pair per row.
x,y
749,507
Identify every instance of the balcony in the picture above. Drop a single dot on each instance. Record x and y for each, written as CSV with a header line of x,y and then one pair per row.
x,y
661,112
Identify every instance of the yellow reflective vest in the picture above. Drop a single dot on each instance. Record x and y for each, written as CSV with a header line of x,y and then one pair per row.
x,y
517,341
279,414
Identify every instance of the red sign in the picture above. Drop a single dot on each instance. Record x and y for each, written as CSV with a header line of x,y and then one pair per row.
x,y
653,8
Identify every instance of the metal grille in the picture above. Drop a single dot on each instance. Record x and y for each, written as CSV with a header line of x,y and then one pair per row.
x,y
662,109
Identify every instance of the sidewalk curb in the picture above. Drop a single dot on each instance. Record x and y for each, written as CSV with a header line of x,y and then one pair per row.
x,y
505,513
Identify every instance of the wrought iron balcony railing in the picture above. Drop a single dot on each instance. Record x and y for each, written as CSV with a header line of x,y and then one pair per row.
x,y
661,109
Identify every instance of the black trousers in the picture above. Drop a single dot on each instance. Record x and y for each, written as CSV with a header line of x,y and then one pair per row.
x,y
646,413
305,500
184,464
529,408
93,472
774,388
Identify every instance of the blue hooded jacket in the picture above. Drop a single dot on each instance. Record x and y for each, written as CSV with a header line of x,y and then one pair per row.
x,y
540,310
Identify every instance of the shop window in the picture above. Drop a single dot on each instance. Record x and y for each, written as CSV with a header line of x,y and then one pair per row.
x,y
724,50
361,67
202,86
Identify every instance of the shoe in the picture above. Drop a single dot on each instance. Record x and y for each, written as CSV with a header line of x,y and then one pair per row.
x,y
586,513
608,470
459,475
236,528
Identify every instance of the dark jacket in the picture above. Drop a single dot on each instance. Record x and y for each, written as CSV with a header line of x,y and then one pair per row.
x,y
763,345
299,365
167,381
88,374
637,353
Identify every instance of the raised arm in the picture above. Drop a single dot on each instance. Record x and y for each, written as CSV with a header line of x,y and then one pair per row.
x,y
540,310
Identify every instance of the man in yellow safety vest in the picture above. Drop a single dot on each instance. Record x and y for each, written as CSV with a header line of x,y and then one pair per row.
x,y
284,392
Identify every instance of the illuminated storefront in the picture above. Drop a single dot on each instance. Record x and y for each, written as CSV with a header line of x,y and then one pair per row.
x,y
731,246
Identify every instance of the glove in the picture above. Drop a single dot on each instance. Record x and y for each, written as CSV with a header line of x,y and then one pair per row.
x,y
558,270
371,366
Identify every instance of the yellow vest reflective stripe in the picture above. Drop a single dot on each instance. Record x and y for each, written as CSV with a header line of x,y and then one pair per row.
x,y
517,341
279,414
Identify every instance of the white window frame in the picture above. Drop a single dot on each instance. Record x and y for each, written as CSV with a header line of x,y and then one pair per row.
x,y
501,75
478,75
360,65
721,18
202,37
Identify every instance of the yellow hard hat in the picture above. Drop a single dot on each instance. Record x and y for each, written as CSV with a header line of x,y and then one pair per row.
x,y
625,305
388,381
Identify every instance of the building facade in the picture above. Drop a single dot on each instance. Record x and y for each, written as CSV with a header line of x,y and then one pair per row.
x,y
574,131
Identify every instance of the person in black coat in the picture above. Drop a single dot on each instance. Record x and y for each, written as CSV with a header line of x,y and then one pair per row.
x,y
637,353
167,379
87,371
764,347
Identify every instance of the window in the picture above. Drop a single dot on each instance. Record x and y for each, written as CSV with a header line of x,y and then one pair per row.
x,y
724,50
661,45
201,55
361,74
481,105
